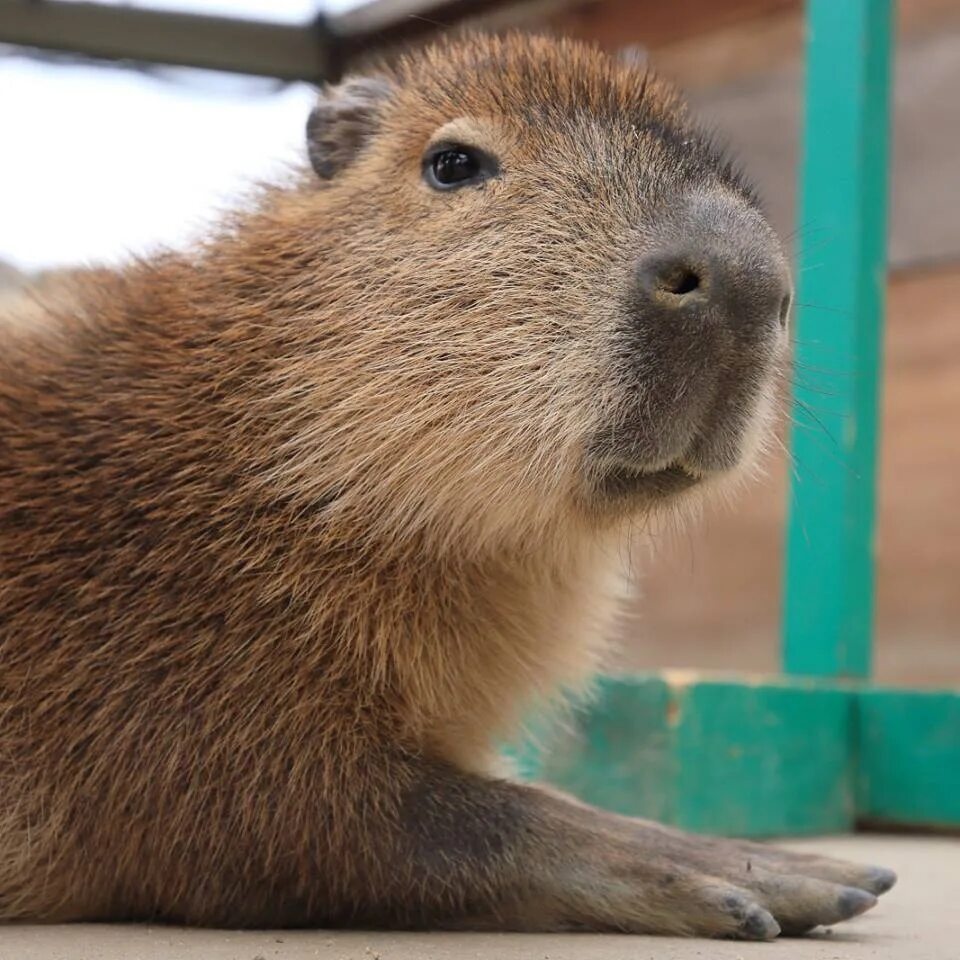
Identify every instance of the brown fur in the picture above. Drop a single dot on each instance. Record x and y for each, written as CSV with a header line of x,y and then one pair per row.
x,y
294,528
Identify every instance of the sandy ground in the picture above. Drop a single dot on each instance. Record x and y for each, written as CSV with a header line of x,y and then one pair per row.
x,y
918,920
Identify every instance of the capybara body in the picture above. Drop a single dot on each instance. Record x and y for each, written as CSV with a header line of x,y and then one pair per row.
x,y
297,526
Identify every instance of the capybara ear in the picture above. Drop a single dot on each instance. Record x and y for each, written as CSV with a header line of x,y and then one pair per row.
x,y
344,118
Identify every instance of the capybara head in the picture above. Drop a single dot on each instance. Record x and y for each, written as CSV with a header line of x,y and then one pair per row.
x,y
547,294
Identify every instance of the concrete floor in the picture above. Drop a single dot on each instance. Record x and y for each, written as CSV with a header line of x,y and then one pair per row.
x,y
918,920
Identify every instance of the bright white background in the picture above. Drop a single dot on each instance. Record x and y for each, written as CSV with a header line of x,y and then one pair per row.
x,y
96,162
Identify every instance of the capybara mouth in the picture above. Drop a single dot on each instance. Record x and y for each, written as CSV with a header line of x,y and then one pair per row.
x,y
622,480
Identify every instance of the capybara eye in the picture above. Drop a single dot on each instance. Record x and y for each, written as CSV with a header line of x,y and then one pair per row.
x,y
450,166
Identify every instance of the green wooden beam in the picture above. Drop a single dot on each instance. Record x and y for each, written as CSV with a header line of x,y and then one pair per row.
x,y
909,758
724,756
828,608
741,756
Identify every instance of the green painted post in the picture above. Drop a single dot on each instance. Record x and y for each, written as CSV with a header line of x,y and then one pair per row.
x,y
828,606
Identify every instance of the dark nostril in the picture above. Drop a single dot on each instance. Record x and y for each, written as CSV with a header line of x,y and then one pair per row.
x,y
672,275
679,281
784,310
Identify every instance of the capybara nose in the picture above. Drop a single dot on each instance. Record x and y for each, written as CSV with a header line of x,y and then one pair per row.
x,y
719,264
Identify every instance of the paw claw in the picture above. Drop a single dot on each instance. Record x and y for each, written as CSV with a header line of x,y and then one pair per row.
x,y
758,924
880,880
853,902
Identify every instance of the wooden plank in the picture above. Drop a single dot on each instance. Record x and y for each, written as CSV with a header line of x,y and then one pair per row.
x,y
828,609
758,757
733,756
290,52
653,23
382,27
315,51
765,760
909,758
617,753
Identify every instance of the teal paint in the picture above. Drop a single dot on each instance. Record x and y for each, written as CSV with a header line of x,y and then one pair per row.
x,y
828,606
909,758
765,759
616,752
740,758
758,758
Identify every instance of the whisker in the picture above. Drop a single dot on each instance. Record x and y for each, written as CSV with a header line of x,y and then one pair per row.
x,y
819,306
811,388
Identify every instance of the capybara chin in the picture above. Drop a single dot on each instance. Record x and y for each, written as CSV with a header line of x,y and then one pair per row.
x,y
296,526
